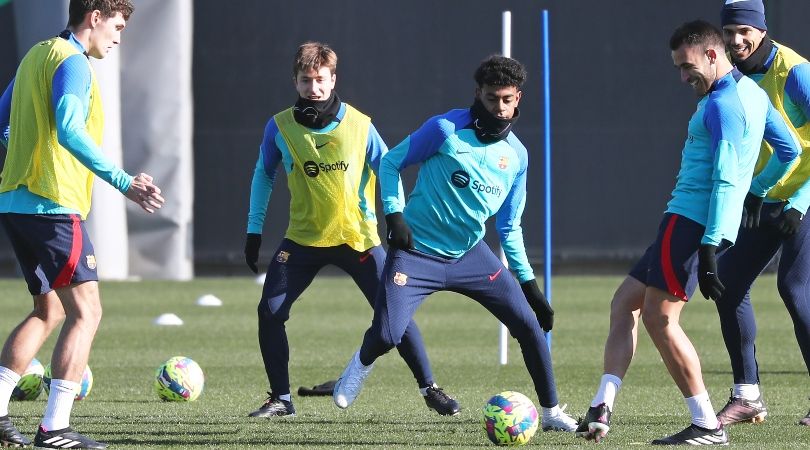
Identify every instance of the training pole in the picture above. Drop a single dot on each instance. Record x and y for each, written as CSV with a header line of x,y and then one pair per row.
x,y
506,50
547,164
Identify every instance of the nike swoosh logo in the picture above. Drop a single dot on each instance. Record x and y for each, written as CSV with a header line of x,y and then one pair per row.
x,y
319,146
495,275
363,258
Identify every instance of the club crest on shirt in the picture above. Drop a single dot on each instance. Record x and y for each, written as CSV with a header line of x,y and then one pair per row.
x,y
400,279
503,163
90,261
282,256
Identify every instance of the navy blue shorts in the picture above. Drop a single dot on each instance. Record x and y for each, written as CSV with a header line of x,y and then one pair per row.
x,y
670,263
54,250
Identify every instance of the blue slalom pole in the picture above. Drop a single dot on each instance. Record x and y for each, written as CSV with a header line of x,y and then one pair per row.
x,y
547,165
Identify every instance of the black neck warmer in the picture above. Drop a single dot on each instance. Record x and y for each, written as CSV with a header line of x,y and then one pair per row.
x,y
488,128
316,113
756,62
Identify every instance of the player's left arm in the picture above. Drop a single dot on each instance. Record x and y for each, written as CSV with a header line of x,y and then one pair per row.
x,y
510,232
797,87
5,113
786,149
726,123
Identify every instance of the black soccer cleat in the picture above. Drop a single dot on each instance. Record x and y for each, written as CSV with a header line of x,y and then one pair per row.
x,y
596,423
740,410
274,407
437,400
64,438
695,435
10,436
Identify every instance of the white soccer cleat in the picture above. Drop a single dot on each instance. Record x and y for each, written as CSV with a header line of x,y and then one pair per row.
x,y
350,383
560,422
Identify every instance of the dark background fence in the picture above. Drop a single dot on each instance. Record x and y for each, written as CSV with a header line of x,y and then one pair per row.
x,y
619,112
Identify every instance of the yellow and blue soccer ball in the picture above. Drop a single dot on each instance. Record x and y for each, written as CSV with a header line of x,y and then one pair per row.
x,y
30,385
179,379
510,418
84,386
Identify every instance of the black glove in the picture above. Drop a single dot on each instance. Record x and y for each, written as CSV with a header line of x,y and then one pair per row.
x,y
399,233
789,222
751,210
536,299
252,244
710,285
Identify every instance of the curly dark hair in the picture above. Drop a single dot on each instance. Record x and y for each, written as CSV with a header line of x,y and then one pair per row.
x,y
696,33
499,70
79,8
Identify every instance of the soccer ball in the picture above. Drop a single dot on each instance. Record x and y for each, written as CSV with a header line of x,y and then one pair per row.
x,y
84,387
509,418
179,379
30,384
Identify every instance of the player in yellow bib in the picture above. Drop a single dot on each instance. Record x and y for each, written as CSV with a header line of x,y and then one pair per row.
x,y
52,124
331,153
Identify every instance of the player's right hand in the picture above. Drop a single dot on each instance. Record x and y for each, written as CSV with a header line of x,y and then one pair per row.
x,y
145,193
538,302
399,233
709,282
752,207
252,244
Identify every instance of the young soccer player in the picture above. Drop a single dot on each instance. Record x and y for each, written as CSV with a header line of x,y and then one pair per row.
x,y
703,215
331,153
51,123
472,167
776,218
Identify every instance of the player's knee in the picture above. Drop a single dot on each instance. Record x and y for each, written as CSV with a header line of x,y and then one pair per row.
x,y
655,321
267,314
791,293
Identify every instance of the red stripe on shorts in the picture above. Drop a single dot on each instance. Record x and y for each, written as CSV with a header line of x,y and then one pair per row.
x,y
673,284
75,251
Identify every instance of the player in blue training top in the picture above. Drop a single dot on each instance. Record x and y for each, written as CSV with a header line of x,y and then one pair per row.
x,y
51,121
776,224
330,152
732,117
472,167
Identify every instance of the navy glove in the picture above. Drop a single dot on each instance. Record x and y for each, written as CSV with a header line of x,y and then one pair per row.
x,y
536,299
252,244
399,233
789,222
710,285
752,207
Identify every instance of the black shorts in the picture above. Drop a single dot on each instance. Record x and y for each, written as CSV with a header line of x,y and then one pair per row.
x,y
54,250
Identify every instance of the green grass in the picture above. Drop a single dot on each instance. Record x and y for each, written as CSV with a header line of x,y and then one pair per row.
x,y
326,328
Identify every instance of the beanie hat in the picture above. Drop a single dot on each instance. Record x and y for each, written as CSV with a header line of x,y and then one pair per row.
x,y
743,12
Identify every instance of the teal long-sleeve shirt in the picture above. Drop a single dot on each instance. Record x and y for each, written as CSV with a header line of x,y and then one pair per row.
x,y
721,151
461,183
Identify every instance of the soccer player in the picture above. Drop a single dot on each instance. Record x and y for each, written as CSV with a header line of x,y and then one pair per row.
x,y
51,120
703,215
331,153
472,167
785,77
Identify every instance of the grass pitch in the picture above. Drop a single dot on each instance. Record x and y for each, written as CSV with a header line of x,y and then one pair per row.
x,y
326,327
